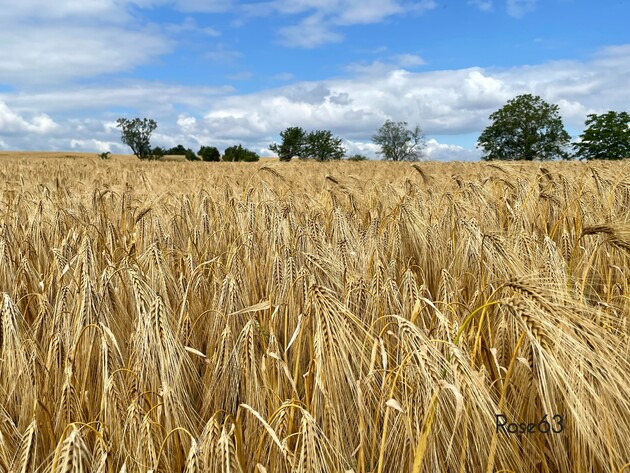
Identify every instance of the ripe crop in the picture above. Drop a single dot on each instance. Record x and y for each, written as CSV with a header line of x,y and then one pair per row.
x,y
308,317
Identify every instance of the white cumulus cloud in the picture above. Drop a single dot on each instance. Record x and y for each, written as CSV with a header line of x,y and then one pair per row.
x,y
12,123
436,151
187,124
45,42
91,145
50,53
444,103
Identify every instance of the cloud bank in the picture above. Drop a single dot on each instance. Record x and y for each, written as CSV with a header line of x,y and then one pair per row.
x,y
65,76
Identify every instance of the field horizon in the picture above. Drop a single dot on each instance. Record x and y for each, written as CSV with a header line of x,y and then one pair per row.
x,y
6,154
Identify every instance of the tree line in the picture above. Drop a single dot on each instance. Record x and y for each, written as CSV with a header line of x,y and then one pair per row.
x,y
397,142
136,133
526,128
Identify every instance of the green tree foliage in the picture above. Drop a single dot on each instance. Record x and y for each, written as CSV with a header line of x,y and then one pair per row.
x,y
606,136
399,143
322,146
181,150
319,144
293,142
238,153
209,153
136,133
158,152
526,128
357,157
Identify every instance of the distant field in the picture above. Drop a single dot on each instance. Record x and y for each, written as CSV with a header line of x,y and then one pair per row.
x,y
56,155
309,317
77,155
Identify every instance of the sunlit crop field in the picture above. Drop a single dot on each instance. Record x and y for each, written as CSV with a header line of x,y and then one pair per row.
x,y
307,317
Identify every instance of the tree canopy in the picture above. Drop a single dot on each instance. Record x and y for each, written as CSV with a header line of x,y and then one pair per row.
x,y
238,153
526,128
399,143
136,133
209,153
321,145
607,136
181,150
292,145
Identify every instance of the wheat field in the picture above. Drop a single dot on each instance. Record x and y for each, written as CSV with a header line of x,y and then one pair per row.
x,y
307,317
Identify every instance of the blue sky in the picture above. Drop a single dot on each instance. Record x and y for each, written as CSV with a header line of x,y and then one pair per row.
x,y
220,73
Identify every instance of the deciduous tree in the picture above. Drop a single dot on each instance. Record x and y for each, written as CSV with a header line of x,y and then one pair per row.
x,y
238,153
607,136
209,153
526,128
136,133
322,146
399,143
292,145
